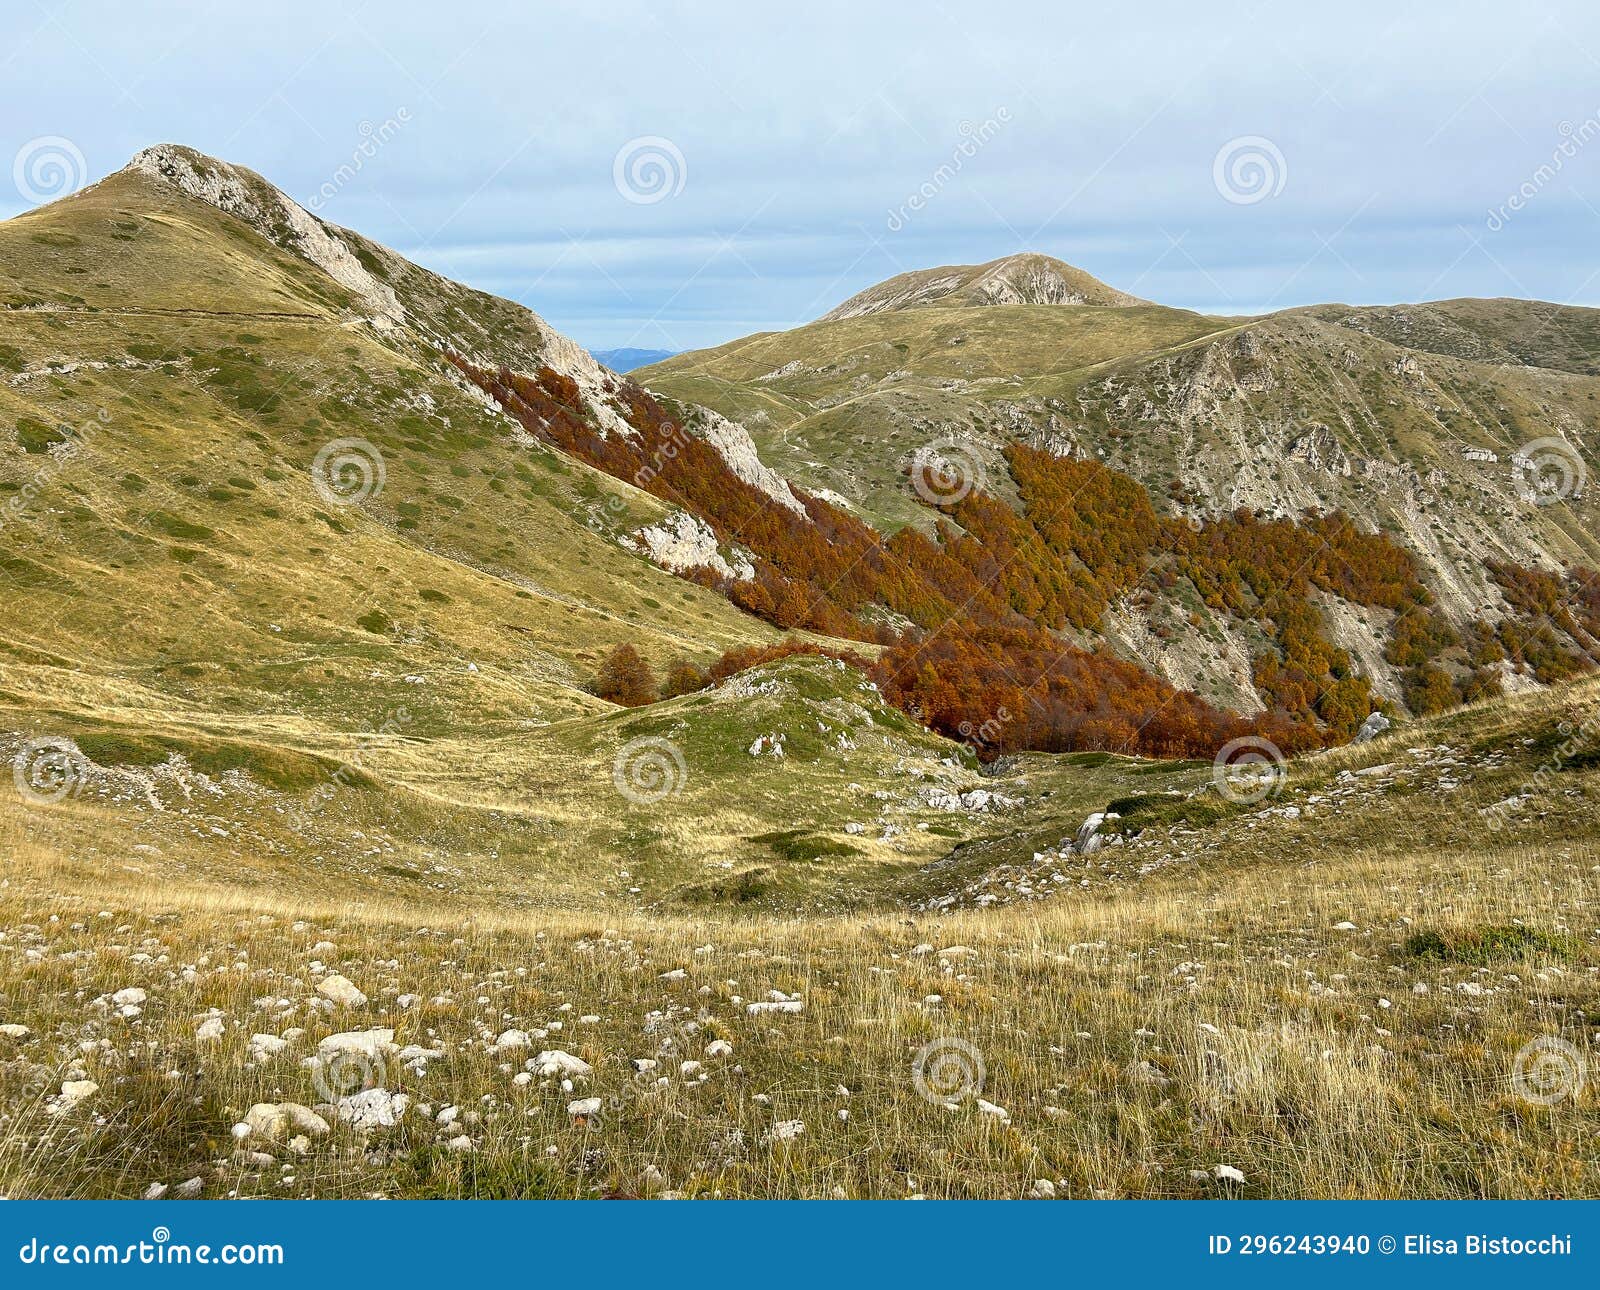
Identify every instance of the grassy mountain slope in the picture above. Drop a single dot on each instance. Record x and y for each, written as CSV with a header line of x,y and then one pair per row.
x,y
1408,419
1011,280
844,405
176,543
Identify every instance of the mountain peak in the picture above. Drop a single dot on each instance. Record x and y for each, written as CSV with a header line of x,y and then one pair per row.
x,y
1027,278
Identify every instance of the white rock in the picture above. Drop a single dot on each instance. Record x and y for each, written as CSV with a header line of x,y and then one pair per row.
x,y
376,1108
997,1112
719,1048
13,1031
584,1107
555,1062
1226,1173
1043,1189
788,1005
265,1120
210,1030
264,1047
155,1191
341,990
132,996
786,1130
74,1091
372,1044
511,1040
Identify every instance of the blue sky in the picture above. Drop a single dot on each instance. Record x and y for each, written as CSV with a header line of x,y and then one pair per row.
x,y
1378,145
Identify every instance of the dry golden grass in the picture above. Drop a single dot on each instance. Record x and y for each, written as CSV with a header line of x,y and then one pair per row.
x,y
1137,1033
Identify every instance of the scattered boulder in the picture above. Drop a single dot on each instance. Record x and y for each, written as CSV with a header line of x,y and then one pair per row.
x,y
373,1044
342,991
265,1047
374,1108
266,1120
555,1062
1375,725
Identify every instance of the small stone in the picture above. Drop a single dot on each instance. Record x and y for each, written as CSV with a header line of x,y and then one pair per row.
x,y
1227,1173
74,1091
155,1191
342,991
555,1062
376,1108
786,1130
1043,1189
265,1120
210,1030
265,1047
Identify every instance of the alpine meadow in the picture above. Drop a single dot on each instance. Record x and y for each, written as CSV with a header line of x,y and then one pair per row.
x,y
991,735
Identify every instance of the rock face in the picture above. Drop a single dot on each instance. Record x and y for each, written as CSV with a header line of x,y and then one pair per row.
x,y
258,203
684,541
1088,839
733,441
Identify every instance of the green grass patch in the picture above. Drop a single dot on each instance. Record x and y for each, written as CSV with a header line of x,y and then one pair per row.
x,y
1490,943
